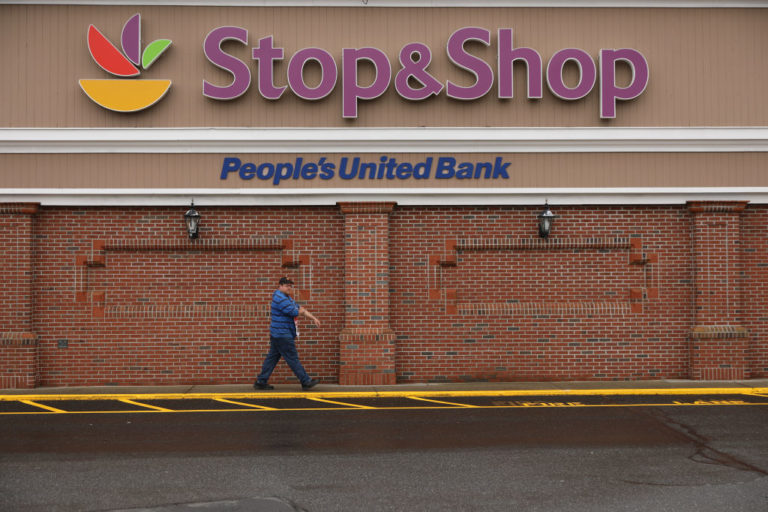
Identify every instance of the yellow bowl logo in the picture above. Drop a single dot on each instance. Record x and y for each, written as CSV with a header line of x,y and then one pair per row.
x,y
123,95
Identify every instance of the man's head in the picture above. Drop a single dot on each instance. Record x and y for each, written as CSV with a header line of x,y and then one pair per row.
x,y
285,285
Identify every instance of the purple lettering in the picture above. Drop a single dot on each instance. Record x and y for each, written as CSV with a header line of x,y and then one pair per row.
x,y
217,57
328,73
587,74
507,56
478,67
351,89
413,80
416,68
266,54
609,91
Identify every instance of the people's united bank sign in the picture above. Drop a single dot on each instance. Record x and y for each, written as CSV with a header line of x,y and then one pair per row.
x,y
355,168
410,77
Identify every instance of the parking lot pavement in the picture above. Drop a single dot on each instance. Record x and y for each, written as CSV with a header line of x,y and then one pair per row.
x,y
557,449
329,401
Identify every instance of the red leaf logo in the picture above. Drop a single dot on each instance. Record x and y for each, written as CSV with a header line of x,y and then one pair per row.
x,y
107,56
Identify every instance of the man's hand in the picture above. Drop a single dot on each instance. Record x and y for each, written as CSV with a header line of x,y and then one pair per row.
x,y
303,311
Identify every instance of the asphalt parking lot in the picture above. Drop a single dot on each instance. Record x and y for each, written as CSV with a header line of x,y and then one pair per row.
x,y
254,402
634,450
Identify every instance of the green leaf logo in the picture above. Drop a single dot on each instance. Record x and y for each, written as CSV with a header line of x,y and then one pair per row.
x,y
122,95
153,51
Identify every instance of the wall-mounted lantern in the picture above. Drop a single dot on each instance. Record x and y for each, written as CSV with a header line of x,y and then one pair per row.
x,y
192,218
545,221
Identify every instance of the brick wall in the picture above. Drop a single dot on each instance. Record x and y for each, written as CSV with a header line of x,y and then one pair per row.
x,y
18,343
754,288
144,305
607,297
121,296
367,343
719,341
18,360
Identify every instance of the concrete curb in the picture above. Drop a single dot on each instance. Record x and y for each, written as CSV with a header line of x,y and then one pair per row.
x,y
681,387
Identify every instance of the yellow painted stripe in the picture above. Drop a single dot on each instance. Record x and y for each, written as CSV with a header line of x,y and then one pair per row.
x,y
435,407
439,401
354,406
393,394
47,408
133,402
262,407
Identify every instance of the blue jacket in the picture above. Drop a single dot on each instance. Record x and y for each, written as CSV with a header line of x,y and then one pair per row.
x,y
284,310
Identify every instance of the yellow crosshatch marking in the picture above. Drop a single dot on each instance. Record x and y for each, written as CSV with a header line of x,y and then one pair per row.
x,y
356,406
395,394
51,409
262,407
132,402
434,400
440,402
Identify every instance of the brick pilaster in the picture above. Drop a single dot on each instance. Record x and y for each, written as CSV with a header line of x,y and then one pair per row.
x,y
367,344
18,342
718,339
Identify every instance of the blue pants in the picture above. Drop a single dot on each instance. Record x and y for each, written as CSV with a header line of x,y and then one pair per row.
x,y
285,347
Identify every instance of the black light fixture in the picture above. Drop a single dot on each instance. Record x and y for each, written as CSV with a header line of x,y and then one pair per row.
x,y
545,221
192,218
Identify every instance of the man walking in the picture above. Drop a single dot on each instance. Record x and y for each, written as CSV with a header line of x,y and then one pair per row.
x,y
282,337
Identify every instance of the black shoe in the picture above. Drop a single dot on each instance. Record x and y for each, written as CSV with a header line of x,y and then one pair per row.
x,y
262,385
309,385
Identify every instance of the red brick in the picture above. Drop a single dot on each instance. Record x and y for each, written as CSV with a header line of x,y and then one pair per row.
x,y
194,314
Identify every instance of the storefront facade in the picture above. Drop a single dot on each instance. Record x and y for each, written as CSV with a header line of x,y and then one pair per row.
x,y
392,158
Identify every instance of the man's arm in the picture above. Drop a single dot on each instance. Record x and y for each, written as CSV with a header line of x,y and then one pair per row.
x,y
287,306
306,313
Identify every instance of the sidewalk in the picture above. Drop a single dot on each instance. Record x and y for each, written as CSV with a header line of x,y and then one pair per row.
x,y
593,387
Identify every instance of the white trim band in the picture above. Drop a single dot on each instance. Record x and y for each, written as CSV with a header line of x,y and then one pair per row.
x,y
691,4
382,140
403,197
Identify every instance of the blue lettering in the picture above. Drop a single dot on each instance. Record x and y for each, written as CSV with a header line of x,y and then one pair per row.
x,y
247,171
391,164
260,171
297,168
445,167
404,171
309,171
326,169
283,172
231,164
483,166
343,174
464,171
367,166
382,168
422,171
499,170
